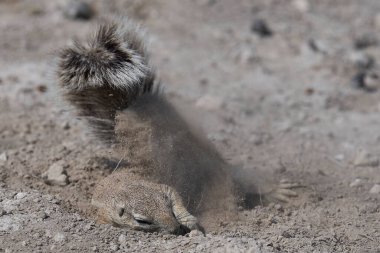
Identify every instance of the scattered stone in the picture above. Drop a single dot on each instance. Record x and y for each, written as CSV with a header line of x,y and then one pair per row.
x,y
369,82
361,60
59,237
287,234
114,246
357,80
364,41
209,103
375,189
42,88
318,46
195,233
43,215
66,125
301,5
246,55
309,91
363,159
48,233
3,157
77,9
21,195
279,207
260,27
339,157
372,81
357,182
122,239
36,10
56,175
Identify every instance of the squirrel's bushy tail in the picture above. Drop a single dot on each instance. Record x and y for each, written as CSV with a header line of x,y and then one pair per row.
x,y
105,74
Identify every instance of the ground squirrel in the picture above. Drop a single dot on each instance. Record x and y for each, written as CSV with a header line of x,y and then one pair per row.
x,y
171,169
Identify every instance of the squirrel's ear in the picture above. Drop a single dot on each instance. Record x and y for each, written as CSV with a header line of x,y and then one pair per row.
x,y
120,211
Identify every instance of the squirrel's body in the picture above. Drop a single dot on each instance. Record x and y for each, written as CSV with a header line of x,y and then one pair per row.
x,y
170,165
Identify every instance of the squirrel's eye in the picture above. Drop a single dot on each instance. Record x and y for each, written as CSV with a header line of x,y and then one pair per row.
x,y
143,222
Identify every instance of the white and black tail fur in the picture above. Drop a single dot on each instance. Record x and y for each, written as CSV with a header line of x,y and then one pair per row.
x,y
106,74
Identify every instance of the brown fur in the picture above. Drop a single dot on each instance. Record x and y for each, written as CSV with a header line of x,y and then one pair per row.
x,y
173,170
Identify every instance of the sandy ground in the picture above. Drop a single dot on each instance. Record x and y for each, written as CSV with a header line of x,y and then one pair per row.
x,y
284,104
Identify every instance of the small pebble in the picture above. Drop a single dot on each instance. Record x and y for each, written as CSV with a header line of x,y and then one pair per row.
x,y
363,159
368,82
357,182
365,41
3,157
279,207
361,60
372,81
287,234
375,189
122,239
301,5
309,91
42,88
339,157
43,215
76,9
260,27
66,125
59,237
21,195
195,233
56,175
319,46
246,56
114,246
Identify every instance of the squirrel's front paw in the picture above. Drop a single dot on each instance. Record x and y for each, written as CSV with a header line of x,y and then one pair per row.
x,y
284,191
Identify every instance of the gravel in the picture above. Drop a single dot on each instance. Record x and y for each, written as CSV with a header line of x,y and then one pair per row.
x,y
279,108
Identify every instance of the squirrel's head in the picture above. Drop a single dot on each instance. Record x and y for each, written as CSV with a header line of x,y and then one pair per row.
x,y
143,206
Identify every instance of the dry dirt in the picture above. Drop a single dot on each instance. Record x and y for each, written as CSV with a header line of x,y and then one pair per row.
x,y
284,104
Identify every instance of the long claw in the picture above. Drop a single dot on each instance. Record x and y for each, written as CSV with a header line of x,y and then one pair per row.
x,y
281,197
287,192
284,192
289,185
